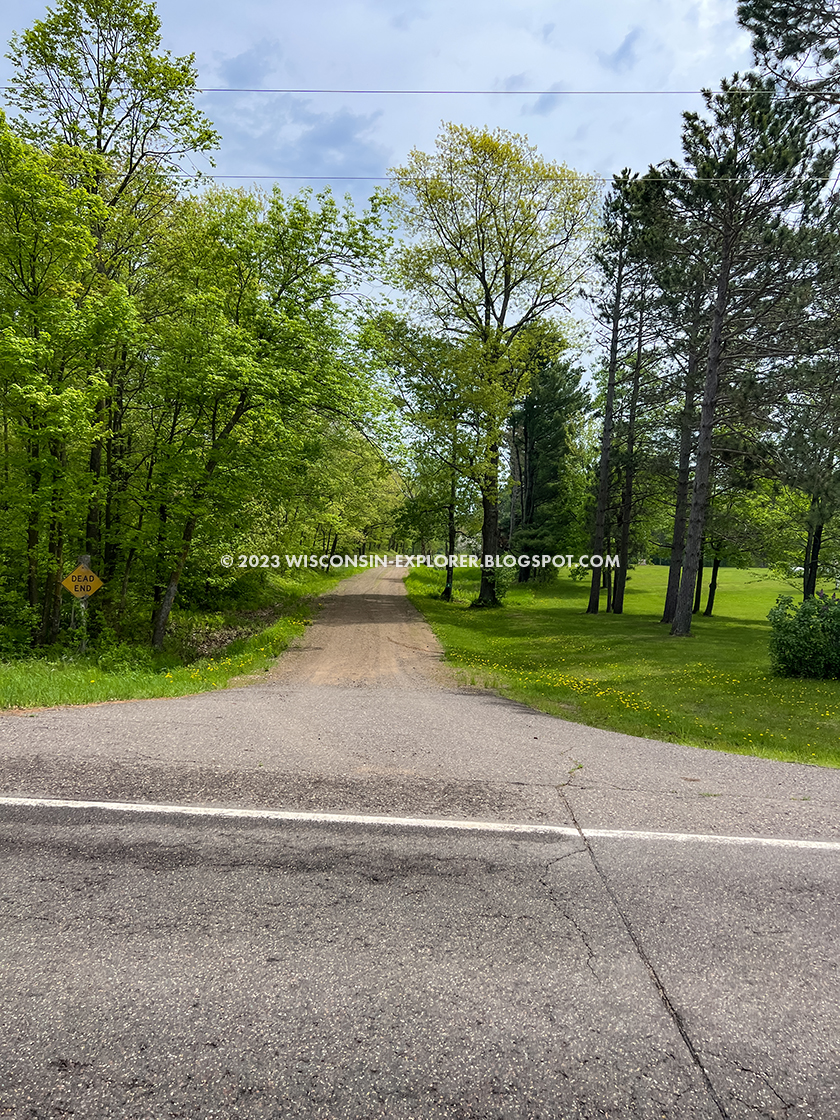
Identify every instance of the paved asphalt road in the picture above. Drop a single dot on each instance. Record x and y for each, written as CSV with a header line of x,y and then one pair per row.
x,y
158,964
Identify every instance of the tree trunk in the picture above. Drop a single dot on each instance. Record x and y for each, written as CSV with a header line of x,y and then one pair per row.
x,y
117,477
683,479
157,586
32,558
487,596
516,481
606,580
810,581
162,616
710,603
172,587
446,594
33,527
51,621
129,560
606,441
526,483
703,467
698,586
93,527
51,617
620,580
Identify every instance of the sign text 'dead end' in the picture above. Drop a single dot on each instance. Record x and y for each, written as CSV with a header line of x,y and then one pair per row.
x,y
82,582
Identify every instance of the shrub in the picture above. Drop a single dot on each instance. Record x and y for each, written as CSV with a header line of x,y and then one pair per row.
x,y
19,622
805,639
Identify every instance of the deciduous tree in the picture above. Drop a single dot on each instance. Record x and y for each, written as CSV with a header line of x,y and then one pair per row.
x,y
498,238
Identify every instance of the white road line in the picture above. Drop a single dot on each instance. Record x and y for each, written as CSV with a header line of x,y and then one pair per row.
x,y
418,822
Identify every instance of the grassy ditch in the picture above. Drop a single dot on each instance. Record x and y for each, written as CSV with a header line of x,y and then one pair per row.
x,y
625,673
204,651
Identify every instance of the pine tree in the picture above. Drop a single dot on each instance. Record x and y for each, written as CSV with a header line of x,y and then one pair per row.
x,y
751,183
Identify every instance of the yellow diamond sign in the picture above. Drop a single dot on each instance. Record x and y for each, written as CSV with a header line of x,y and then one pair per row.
x,y
82,582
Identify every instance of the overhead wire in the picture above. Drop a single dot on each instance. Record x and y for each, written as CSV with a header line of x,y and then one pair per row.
x,y
452,93
489,92
456,92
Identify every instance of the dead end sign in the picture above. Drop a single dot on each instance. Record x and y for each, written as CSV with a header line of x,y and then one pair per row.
x,y
82,582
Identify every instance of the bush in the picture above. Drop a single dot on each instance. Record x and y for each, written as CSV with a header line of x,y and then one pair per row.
x,y
805,639
19,622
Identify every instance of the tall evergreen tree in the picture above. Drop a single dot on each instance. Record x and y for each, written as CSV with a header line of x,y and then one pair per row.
x,y
797,42
545,510
621,299
750,185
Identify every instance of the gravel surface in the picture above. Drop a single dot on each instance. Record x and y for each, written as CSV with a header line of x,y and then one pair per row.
x,y
363,715
368,635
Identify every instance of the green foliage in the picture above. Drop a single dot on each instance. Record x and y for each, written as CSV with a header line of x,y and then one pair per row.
x,y
549,474
797,41
625,673
181,375
805,639
18,622
160,427
503,579
499,240
116,669
91,74
178,376
121,657
500,235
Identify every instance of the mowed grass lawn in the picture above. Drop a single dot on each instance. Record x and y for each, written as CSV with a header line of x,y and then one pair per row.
x,y
624,672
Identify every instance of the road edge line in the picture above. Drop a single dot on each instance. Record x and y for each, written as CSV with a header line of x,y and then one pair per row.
x,y
515,827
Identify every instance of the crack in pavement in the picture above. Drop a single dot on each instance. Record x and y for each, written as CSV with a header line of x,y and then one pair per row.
x,y
590,952
567,783
648,964
393,733
564,910
757,1109
786,1105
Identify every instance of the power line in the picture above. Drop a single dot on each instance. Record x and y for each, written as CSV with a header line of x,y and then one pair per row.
x,y
326,178
597,178
734,91
477,92
496,92
457,92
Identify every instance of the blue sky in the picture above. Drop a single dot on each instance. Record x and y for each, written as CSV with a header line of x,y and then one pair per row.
x,y
615,48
